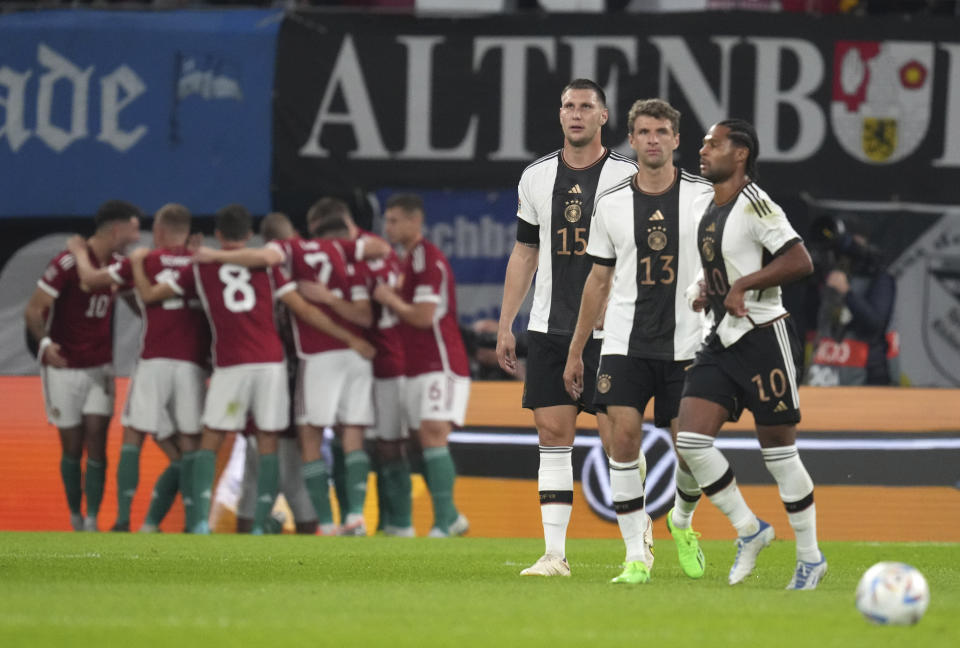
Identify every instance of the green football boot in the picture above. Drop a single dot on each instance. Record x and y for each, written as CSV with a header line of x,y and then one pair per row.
x,y
634,573
688,549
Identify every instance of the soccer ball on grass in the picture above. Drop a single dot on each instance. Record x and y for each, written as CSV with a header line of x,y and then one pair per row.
x,y
892,593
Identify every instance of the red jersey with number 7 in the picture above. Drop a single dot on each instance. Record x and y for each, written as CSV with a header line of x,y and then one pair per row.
x,y
239,303
79,321
322,261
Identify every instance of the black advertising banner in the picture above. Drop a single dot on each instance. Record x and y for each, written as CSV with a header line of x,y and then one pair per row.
x,y
859,108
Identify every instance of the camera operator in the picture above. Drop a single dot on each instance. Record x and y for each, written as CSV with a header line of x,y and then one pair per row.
x,y
852,345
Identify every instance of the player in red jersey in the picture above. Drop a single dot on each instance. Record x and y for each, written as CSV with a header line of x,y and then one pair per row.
x,y
73,327
249,373
167,386
335,382
389,433
436,365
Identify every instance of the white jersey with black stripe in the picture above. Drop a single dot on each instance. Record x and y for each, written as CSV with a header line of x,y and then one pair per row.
x,y
652,241
737,239
558,200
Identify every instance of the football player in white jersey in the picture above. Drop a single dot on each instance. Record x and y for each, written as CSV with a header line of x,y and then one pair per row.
x,y
556,197
751,355
643,245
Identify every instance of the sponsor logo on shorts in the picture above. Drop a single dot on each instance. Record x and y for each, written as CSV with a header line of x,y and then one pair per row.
x,y
781,407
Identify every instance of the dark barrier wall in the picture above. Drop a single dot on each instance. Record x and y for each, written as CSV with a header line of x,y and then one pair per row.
x,y
846,107
149,106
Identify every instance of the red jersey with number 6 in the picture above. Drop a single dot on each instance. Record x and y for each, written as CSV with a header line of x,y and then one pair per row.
x,y
427,277
80,322
323,261
239,303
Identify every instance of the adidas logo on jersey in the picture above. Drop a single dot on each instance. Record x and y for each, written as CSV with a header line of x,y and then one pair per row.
x,y
657,216
575,189
781,407
712,228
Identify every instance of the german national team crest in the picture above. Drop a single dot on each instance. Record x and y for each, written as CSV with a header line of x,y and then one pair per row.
x,y
706,248
657,238
880,108
603,383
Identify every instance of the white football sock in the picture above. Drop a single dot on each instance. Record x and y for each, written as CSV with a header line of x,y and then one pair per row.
x,y
716,478
626,487
555,484
685,499
796,491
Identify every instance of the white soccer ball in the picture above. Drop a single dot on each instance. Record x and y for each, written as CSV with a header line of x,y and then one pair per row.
x,y
893,593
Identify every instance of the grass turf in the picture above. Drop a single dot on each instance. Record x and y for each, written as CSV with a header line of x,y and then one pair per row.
x,y
103,589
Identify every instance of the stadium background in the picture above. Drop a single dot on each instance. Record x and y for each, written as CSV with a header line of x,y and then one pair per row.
x,y
274,109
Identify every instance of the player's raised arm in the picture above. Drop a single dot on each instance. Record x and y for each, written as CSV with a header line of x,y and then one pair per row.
x,y
419,314
269,255
596,289
320,321
149,292
357,310
91,278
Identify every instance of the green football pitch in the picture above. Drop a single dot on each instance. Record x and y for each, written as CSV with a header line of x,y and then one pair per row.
x,y
171,590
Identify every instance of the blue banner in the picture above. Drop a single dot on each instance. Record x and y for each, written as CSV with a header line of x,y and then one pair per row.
x,y
150,107
476,230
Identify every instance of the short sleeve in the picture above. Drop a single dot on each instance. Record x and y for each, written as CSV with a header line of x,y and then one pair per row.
x,y
769,225
526,209
283,284
357,282
427,277
599,244
57,274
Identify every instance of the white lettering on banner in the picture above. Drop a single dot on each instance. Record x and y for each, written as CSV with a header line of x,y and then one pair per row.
x,y
124,80
61,69
676,61
679,71
466,238
13,127
584,63
118,90
513,87
951,129
348,77
769,97
419,107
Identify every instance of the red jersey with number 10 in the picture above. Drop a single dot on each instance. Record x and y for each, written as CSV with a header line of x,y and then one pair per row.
x,y
427,277
239,305
80,322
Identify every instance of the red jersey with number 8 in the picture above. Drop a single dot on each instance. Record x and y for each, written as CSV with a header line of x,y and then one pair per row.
x,y
239,303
